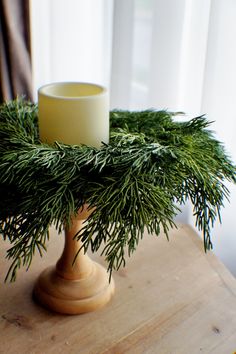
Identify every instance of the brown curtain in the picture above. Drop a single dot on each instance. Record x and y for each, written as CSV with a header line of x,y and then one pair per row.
x,y
15,62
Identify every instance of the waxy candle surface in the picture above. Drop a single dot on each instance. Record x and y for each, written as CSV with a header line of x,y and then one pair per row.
x,y
73,113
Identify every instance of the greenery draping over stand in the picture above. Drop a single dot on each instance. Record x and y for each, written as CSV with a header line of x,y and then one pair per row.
x,y
151,163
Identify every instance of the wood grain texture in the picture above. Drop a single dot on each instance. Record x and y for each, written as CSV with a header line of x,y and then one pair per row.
x,y
171,298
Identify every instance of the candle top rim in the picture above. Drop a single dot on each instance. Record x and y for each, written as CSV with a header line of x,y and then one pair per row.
x,y
93,90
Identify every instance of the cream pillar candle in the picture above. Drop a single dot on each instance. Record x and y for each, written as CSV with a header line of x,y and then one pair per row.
x,y
73,113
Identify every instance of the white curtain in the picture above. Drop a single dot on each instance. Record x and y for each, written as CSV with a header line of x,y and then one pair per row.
x,y
71,41
161,47
173,54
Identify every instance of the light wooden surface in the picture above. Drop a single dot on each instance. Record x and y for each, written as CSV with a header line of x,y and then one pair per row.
x,y
170,299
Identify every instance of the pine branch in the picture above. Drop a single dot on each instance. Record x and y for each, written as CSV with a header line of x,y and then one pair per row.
x,y
151,162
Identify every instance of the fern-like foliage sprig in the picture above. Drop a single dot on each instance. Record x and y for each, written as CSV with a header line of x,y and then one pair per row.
x,y
151,162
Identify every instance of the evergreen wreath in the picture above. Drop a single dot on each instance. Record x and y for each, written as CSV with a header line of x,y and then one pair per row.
x,y
151,163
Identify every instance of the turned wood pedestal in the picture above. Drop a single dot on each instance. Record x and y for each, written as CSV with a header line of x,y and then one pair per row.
x,y
74,287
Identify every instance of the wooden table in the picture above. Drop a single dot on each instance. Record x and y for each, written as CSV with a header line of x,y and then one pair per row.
x,y
172,298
